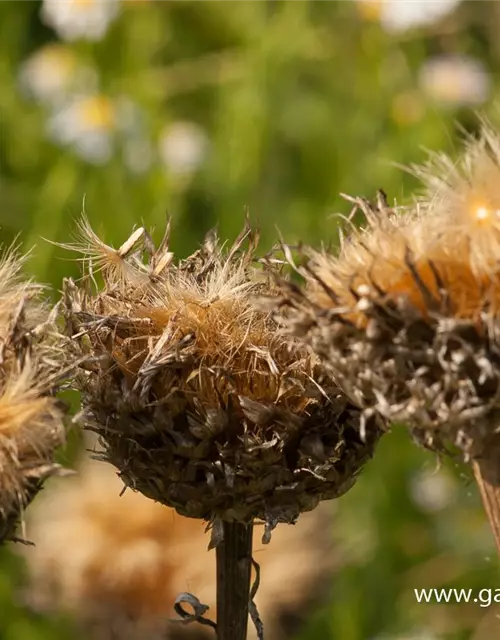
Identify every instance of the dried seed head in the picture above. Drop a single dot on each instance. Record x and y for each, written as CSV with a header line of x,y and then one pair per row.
x,y
31,361
201,404
118,563
406,316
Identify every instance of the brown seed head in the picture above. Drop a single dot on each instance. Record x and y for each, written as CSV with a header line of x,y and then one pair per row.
x,y
200,402
31,361
117,563
406,316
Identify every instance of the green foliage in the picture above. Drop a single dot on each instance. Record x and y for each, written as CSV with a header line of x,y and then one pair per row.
x,y
290,104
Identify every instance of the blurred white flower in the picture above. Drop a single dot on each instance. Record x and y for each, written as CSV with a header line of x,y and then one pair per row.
x,y
95,125
87,124
400,15
455,80
183,147
52,72
74,19
432,491
137,154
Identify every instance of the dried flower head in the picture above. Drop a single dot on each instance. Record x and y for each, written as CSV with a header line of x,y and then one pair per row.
x,y
117,563
31,418
406,316
201,404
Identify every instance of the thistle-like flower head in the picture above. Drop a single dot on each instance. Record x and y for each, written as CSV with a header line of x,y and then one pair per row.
x,y
200,402
31,418
406,315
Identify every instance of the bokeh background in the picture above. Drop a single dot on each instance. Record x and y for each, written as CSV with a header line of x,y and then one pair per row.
x,y
203,110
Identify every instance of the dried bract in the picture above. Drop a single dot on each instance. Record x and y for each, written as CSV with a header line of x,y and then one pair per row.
x,y
31,418
406,315
200,403
117,563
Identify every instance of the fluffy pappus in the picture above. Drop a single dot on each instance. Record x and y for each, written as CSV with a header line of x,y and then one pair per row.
x,y
462,203
378,256
401,253
116,265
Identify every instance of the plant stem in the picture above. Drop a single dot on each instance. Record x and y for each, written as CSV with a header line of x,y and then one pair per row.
x,y
487,473
234,570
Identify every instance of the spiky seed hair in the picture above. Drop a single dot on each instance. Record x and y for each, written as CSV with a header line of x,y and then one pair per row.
x,y
406,315
377,255
200,403
462,202
31,418
119,562
402,253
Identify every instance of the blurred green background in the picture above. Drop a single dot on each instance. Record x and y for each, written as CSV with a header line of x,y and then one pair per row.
x,y
206,109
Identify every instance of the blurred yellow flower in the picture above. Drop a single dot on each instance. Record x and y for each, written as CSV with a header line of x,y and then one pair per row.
x,y
74,19
370,9
97,112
